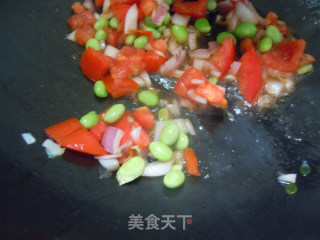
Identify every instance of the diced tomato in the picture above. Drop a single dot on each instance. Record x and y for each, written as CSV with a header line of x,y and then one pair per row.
x,y
98,130
63,129
120,87
161,46
112,36
285,56
147,6
224,56
143,32
83,34
120,11
192,165
82,140
125,123
79,20
144,140
130,2
94,64
196,9
153,61
247,45
249,76
272,19
78,8
144,117
213,94
99,3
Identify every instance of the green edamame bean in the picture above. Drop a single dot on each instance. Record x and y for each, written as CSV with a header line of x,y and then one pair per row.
x,y
170,134
202,25
265,44
212,5
100,35
305,69
140,42
174,179
177,167
148,98
180,33
89,120
149,23
213,80
291,188
130,39
169,1
305,168
163,114
160,151
223,35
130,170
167,19
161,29
114,23
246,30
182,142
100,89
155,33
94,43
102,22
114,113
274,33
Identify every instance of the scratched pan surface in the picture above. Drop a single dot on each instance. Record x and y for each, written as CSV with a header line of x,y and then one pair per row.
x,y
237,197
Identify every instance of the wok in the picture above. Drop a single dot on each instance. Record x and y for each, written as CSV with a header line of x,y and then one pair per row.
x,y
238,196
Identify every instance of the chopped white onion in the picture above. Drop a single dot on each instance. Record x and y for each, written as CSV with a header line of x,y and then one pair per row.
x,y
174,108
102,44
146,78
288,84
196,97
234,21
180,19
200,53
190,127
111,51
109,164
135,134
96,16
159,13
230,77
246,14
88,4
198,63
131,20
124,148
139,81
213,46
197,81
234,68
167,32
52,149
157,168
28,138
187,104
265,100
192,41
159,126
107,14
71,36
106,5
160,53
274,88
174,62
176,73
287,178
111,139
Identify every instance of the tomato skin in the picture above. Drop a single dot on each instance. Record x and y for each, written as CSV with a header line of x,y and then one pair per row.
x,y
83,34
98,130
196,9
249,76
94,64
247,45
147,6
77,7
285,56
224,56
98,3
79,20
120,87
153,61
161,46
213,94
144,117
63,128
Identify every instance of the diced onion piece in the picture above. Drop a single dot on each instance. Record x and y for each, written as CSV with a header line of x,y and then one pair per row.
x,y
234,68
108,157
131,20
197,81
102,44
288,84
274,88
107,14
190,127
111,139
213,46
135,134
200,53
180,19
166,32
146,78
174,108
52,149
88,4
287,178
198,63
159,13
246,14
176,73
96,16
71,36
159,126
234,21
230,77
181,124
111,51
174,62
109,164
265,101
160,53
157,168
187,104
192,41
28,138
106,5
139,81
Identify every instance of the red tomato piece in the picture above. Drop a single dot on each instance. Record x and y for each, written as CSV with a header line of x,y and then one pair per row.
x,y
79,20
94,64
82,140
196,9
120,87
147,6
213,94
192,165
98,3
153,61
130,2
247,45
285,56
224,56
144,117
272,19
98,130
143,32
120,11
83,34
125,123
78,8
63,129
161,46
249,76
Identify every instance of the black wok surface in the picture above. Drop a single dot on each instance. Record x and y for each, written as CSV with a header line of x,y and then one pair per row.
x,y
238,196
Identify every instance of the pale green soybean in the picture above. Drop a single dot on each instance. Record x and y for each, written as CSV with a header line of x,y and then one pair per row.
x,y
89,120
246,30
130,39
163,114
213,80
174,179
305,168
169,1
100,35
114,113
305,69
182,142
180,33
212,5
166,21
161,29
155,33
114,23
148,98
177,167
265,44
202,25
170,134
274,33
291,188
102,22
149,23
160,151
93,43
140,42
223,35
130,170
100,89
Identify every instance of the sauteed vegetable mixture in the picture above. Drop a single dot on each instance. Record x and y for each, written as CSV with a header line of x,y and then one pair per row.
x,y
127,40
